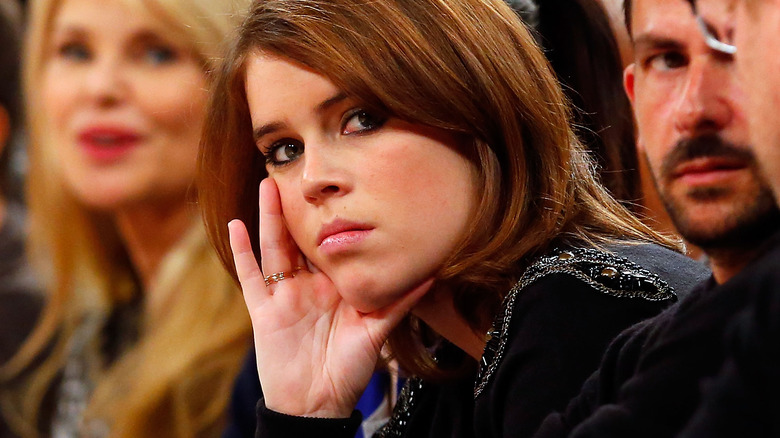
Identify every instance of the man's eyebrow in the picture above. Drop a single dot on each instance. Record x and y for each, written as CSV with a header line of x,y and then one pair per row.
x,y
650,41
321,107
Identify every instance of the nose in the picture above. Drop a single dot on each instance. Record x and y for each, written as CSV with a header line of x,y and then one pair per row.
x,y
704,103
325,173
106,84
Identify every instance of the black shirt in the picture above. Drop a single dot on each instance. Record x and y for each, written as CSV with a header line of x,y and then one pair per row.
x,y
649,383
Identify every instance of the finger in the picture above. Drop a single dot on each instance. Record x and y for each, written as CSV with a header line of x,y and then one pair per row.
x,y
249,274
278,250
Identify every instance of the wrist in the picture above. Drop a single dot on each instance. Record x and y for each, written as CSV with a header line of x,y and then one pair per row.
x,y
299,408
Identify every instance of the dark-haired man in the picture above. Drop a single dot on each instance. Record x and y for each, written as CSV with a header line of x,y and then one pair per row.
x,y
693,130
744,398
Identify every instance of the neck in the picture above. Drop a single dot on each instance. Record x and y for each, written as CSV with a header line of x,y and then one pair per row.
x,y
438,311
149,233
727,263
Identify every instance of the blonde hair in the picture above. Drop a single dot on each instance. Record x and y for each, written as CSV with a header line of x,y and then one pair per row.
x,y
468,66
176,379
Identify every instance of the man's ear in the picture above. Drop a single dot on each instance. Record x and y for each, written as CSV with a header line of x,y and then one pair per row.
x,y
629,76
628,81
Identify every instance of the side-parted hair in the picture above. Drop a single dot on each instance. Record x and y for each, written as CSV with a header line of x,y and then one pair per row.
x,y
467,66
176,379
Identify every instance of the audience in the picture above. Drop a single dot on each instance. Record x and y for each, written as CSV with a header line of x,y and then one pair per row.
x,y
581,40
20,297
388,191
143,331
689,106
357,124
577,39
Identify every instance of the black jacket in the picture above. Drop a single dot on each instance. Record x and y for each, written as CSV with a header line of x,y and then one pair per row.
x,y
553,329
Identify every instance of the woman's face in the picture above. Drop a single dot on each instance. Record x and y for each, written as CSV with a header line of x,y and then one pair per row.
x,y
123,105
377,204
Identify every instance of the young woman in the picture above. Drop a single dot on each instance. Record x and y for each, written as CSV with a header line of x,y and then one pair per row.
x,y
418,182
143,332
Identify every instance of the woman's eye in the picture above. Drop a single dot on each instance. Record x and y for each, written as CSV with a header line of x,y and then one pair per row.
x,y
362,121
283,152
667,61
74,52
157,55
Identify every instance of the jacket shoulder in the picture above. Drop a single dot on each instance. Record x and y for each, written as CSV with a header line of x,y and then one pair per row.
x,y
602,272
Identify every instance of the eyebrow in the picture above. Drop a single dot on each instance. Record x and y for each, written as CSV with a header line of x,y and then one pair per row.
x,y
69,30
321,107
649,41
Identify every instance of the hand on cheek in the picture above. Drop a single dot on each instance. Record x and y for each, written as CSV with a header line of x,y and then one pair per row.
x,y
315,353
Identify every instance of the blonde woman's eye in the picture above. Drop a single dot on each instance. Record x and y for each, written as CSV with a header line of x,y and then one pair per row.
x,y
75,52
362,121
283,152
157,55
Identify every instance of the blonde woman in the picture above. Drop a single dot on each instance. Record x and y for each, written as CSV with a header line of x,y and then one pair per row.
x,y
419,182
143,332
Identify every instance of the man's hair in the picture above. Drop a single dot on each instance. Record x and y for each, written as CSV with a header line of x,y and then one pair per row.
x,y
627,15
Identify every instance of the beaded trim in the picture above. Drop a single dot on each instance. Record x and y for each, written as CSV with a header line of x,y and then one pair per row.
x,y
396,426
608,273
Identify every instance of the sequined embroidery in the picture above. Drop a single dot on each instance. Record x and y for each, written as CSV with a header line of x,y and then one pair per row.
x,y
607,273
396,427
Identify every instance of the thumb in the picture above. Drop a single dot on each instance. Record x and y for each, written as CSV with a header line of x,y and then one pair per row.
x,y
384,320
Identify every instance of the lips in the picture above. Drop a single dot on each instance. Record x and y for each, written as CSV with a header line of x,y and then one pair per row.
x,y
341,234
708,171
706,165
108,143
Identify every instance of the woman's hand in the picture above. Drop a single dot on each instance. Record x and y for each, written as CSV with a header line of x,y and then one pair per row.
x,y
315,353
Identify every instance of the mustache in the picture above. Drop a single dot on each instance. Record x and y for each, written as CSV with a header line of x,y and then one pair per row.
x,y
705,146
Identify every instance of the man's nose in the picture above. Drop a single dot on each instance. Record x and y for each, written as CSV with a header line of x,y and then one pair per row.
x,y
703,104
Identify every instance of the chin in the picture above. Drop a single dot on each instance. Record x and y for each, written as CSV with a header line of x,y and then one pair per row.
x,y
372,301
103,201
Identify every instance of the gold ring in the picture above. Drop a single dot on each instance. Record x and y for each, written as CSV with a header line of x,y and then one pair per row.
x,y
279,276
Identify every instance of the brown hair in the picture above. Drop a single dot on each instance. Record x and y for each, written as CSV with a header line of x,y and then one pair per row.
x,y
627,16
468,66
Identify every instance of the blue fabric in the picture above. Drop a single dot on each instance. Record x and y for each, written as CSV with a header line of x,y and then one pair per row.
x,y
247,392
378,387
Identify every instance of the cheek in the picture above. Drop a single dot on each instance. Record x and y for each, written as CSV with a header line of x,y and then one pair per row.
x,y
176,106
57,96
654,128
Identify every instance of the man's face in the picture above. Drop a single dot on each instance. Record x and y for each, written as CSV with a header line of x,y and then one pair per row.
x,y
757,24
692,129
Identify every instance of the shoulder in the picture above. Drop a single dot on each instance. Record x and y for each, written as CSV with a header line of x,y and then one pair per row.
x,y
630,271
680,271
571,303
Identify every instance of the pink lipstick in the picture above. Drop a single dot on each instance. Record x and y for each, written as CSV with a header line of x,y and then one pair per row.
x,y
342,235
106,144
